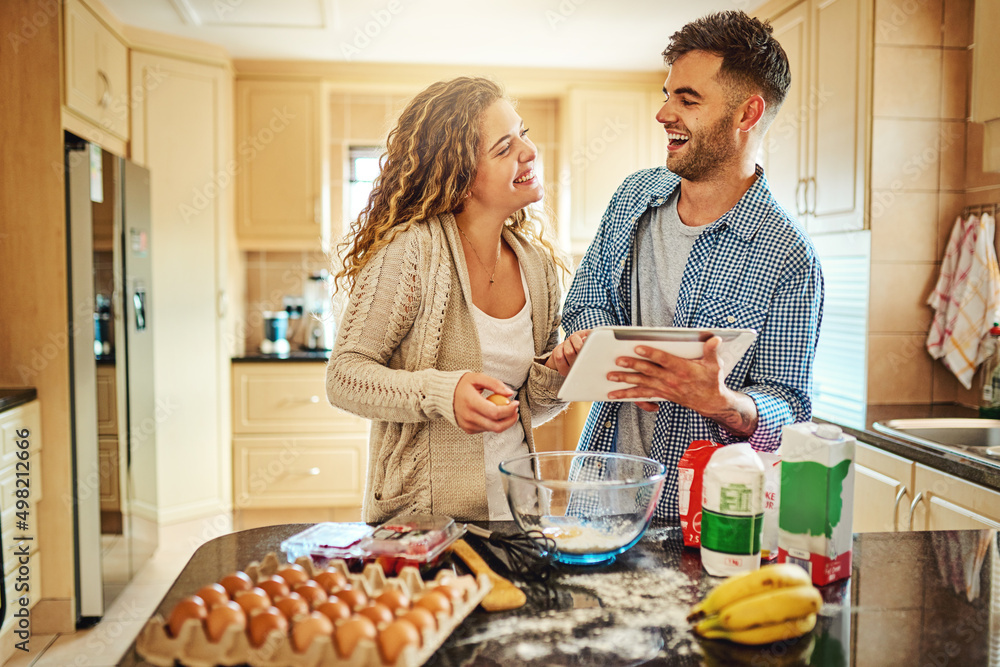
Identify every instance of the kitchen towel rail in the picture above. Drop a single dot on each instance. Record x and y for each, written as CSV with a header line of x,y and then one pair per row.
x,y
980,209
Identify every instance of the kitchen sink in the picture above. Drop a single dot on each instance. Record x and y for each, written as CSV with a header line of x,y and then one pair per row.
x,y
977,439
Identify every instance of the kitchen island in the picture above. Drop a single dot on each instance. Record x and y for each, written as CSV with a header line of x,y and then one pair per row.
x,y
918,598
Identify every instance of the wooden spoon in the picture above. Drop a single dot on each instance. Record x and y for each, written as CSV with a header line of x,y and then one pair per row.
x,y
504,595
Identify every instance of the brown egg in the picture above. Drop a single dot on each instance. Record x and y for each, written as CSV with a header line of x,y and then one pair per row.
x,y
354,597
454,591
312,593
350,632
308,628
378,613
275,587
253,600
335,609
395,637
435,602
498,399
394,599
423,619
331,580
264,622
237,581
466,584
221,618
293,573
292,605
213,594
189,607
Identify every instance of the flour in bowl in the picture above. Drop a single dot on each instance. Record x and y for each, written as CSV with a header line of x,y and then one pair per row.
x,y
574,537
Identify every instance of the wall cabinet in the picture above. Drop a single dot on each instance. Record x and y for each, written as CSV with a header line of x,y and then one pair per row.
x,y
892,493
290,447
612,133
815,154
280,150
20,480
96,71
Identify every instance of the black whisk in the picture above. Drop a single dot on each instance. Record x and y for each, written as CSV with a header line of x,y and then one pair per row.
x,y
530,555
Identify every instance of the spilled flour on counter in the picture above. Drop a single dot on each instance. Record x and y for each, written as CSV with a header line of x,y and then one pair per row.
x,y
617,618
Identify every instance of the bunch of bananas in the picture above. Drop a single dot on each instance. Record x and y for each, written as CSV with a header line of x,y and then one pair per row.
x,y
776,602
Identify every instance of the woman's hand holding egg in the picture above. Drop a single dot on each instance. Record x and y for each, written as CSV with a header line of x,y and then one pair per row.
x,y
475,414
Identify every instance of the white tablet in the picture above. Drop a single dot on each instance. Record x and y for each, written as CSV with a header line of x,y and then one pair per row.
x,y
588,377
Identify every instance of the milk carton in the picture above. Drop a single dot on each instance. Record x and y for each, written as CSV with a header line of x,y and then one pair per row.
x,y
815,527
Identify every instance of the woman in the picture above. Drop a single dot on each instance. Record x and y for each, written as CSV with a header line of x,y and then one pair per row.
x,y
452,293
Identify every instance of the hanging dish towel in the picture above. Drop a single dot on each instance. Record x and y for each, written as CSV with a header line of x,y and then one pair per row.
x,y
966,299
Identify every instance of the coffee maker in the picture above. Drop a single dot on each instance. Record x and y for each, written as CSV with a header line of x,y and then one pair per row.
x,y
318,298
275,333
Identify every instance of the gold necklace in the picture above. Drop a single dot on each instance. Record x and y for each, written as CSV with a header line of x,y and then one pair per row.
x,y
481,262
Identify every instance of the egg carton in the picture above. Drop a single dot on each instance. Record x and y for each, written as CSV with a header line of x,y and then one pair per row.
x,y
191,647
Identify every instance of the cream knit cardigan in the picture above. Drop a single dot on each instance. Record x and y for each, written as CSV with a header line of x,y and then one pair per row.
x,y
406,337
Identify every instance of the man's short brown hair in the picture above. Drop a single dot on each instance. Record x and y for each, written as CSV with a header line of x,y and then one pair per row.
x,y
753,61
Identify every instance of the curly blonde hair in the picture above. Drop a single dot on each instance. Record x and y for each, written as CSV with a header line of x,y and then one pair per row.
x,y
428,169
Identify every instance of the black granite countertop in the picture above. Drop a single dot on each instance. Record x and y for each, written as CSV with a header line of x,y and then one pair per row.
x,y
11,397
294,355
953,464
917,598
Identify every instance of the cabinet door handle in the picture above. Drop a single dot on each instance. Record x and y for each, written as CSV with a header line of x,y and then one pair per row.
x,y
105,98
895,507
913,506
318,210
815,191
798,189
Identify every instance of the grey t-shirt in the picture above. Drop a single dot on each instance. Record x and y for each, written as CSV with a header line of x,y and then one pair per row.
x,y
662,246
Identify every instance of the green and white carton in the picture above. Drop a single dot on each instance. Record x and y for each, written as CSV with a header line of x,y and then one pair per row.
x,y
815,519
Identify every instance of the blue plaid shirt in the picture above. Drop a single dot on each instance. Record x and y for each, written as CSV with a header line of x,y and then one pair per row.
x,y
755,269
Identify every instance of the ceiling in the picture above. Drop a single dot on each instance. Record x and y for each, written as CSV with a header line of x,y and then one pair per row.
x,y
583,34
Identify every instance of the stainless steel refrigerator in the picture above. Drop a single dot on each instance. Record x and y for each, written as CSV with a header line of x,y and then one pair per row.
x,y
111,365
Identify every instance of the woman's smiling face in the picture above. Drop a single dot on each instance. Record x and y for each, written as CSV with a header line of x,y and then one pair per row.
x,y
505,178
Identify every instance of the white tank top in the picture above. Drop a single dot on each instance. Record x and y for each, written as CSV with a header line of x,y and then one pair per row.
x,y
508,348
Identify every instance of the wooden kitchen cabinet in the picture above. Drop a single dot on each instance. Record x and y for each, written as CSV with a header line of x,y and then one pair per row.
x,y
944,502
815,154
96,70
883,490
291,448
280,151
892,493
611,136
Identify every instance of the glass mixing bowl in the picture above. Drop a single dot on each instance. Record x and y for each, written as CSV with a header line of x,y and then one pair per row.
x,y
593,506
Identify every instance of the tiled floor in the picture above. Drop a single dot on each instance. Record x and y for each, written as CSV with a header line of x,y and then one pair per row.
x,y
105,643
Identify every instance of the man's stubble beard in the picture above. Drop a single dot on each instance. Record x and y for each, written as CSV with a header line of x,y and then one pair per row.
x,y
713,151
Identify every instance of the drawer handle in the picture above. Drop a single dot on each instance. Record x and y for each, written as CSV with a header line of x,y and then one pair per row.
x,y
314,399
312,472
895,507
913,506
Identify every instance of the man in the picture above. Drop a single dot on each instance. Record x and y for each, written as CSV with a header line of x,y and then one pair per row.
x,y
702,243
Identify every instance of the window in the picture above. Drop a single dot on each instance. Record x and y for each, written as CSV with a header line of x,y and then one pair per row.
x,y
363,170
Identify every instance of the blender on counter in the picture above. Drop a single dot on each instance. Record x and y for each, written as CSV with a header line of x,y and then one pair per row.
x,y
318,297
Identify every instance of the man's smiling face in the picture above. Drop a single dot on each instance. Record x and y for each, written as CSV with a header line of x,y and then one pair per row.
x,y
698,116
